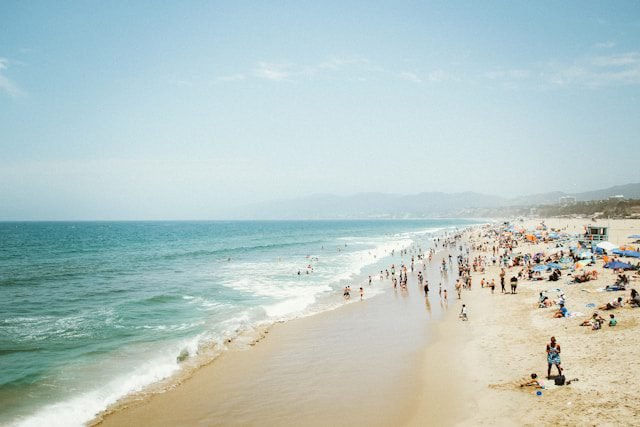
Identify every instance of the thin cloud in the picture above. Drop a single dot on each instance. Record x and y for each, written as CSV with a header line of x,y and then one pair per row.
x,y
232,78
6,85
270,71
604,45
599,71
618,60
340,62
411,77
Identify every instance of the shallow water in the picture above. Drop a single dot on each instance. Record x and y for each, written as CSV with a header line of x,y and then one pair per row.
x,y
90,311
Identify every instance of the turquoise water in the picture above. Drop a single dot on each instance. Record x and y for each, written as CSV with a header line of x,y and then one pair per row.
x,y
91,311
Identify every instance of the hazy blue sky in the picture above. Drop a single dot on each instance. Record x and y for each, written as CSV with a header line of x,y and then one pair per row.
x,y
186,109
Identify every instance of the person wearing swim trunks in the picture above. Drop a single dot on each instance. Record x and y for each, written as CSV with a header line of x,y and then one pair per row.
x,y
553,356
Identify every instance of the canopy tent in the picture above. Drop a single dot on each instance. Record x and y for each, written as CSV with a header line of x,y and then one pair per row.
x,y
618,265
607,246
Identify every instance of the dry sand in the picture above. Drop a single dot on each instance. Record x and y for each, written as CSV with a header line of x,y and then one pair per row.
x,y
394,360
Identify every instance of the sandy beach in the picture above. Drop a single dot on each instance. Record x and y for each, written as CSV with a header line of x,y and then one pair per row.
x,y
403,359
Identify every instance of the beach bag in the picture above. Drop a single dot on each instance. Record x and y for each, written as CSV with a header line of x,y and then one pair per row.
x,y
559,380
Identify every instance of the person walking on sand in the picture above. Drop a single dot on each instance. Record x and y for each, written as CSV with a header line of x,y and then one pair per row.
x,y
459,289
463,313
502,274
553,356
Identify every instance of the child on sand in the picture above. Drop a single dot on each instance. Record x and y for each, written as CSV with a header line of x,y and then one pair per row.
x,y
533,382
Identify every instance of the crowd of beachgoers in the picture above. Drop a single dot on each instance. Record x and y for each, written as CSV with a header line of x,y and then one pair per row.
x,y
556,274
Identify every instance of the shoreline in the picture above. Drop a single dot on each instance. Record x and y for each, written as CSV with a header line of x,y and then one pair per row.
x,y
359,316
446,372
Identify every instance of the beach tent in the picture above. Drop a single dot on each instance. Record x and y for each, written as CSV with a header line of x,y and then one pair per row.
x,y
617,265
607,246
540,268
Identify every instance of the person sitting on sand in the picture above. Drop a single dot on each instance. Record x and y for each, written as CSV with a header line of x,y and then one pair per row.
x,y
634,300
545,303
595,322
617,303
612,321
541,297
533,382
562,312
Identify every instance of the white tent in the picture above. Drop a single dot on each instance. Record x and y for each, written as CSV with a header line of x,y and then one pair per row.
x,y
607,246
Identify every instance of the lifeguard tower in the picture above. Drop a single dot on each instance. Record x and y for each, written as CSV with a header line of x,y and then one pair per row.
x,y
593,234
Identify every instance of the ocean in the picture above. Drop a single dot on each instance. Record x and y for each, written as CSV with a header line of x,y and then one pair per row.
x,y
93,311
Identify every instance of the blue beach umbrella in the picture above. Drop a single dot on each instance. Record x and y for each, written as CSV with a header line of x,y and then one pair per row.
x,y
631,254
617,264
540,268
554,265
634,236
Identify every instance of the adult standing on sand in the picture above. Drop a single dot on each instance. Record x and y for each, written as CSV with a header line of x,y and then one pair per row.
x,y
502,274
553,356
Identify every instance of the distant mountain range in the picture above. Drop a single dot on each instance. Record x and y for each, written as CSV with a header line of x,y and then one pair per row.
x,y
422,205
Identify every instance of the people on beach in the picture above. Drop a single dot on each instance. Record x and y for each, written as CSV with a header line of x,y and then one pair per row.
x,y
533,382
617,303
463,313
595,322
361,293
562,312
553,357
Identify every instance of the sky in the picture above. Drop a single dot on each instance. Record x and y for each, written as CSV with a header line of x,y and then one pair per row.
x,y
191,110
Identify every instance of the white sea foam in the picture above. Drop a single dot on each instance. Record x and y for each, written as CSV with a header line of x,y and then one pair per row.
x,y
80,409
281,292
